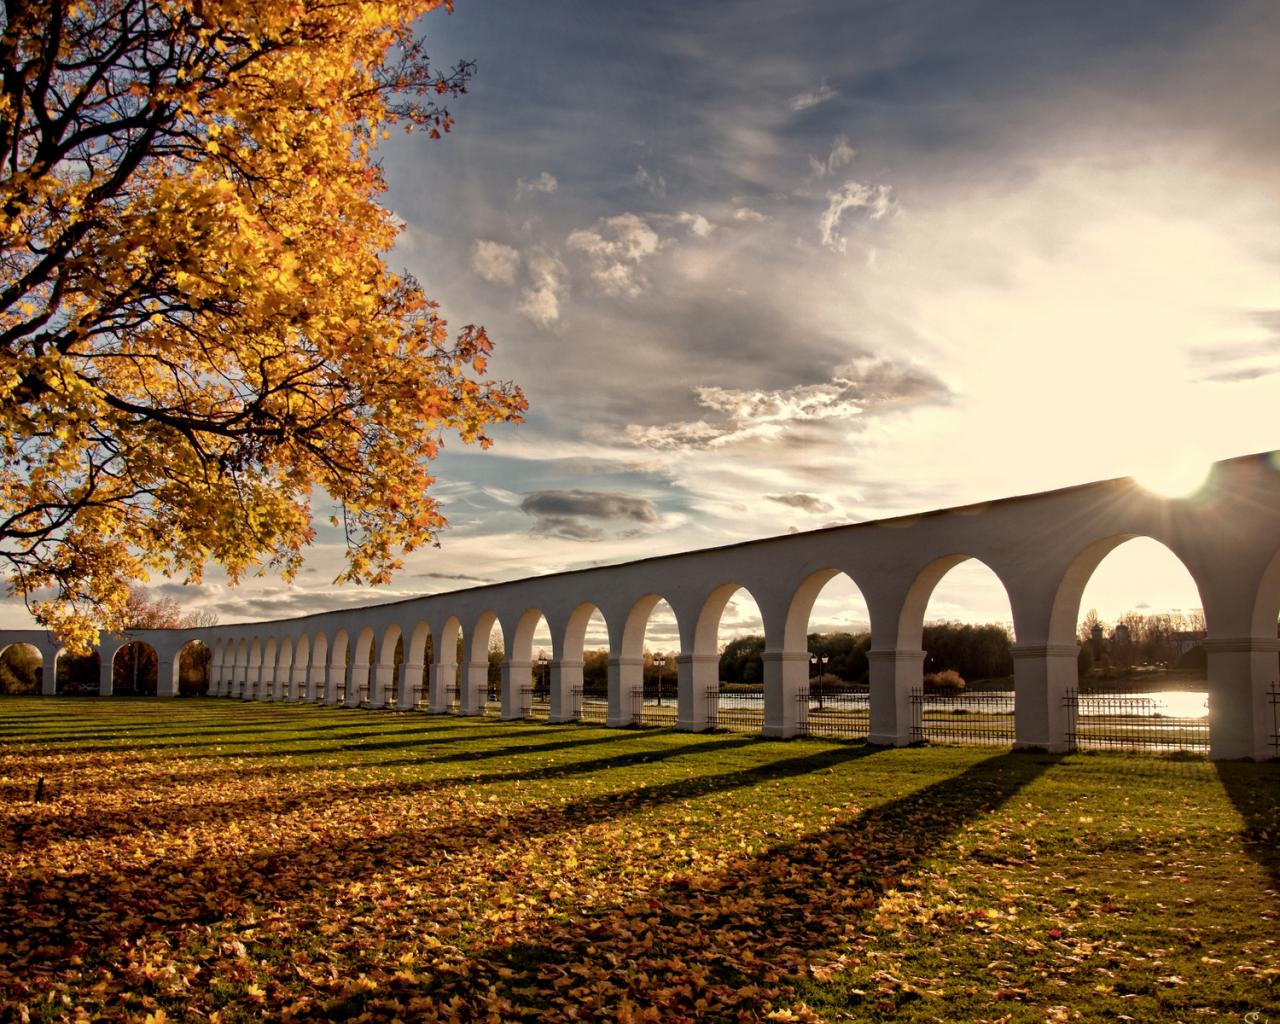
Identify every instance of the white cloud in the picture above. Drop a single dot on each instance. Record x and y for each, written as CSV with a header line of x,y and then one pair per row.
x,y
813,97
749,216
654,184
698,224
853,196
863,387
841,154
495,262
544,182
616,247
540,301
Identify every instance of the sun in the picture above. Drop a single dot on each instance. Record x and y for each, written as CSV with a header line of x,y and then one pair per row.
x,y
1176,477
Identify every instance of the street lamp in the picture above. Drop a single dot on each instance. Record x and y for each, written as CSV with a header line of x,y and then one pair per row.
x,y
543,664
659,662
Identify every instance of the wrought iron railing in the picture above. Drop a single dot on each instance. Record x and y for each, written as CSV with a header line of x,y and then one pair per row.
x,y
1273,696
592,706
736,710
837,713
1114,721
976,719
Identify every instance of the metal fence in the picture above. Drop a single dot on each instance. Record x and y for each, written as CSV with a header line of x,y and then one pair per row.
x,y
737,711
1134,722
1273,696
837,714
592,707
976,719
658,715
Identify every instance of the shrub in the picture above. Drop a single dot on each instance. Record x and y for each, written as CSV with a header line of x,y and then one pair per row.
x,y
944,681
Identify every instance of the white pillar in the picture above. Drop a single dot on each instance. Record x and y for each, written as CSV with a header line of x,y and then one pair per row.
x,y
278,679
166,676
335,685
697,691
409,689
475,693
517,689
626,695
1242,720
106,682
894,675
566,691
383,681
444,686
1043,676
357,685
298,682
786,674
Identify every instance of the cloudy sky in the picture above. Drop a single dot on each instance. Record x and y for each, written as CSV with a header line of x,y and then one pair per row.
x,y
763,267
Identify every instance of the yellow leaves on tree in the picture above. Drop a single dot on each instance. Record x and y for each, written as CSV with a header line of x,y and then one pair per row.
x,y
197,326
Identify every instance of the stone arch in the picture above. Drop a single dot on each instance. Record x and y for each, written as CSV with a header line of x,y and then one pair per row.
x,y
338,654
240,673
382,685
283,668
358,685
1266,606
916,602
479,684
518,680
1065,612
196,661
795,629
138,673
267,679
22,673
704,669
567,690
297,681
318,668
254,672
632,664
418,655
445,697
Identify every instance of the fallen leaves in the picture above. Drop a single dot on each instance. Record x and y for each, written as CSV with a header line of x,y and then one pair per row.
x,y
299,879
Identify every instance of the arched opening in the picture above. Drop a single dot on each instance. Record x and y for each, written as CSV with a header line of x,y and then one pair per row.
x,y
281,684
830,621
419,653
361,663
339,657
268,681
958,613
484,668
134,670
1142,667
193,669
585,667
21,669
241,671
79,674
383,689
253,678
528,693
728,660
298,675
649,652
449,653
318,669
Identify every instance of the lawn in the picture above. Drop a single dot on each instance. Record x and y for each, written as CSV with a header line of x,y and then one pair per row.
x,y
224,861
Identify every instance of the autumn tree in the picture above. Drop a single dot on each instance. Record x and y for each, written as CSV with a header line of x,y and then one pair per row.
x,y
198,327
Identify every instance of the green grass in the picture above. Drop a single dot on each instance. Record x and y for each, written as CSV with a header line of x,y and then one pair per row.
x,y
213,860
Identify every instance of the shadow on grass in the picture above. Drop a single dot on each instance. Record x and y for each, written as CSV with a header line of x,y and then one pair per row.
x,y
94,821
1255,791
783,907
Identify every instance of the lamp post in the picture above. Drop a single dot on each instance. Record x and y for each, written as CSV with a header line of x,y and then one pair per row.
x,y
659,662
543,664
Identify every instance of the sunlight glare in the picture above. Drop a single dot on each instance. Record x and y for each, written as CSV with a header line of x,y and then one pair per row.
x,y
1179,476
